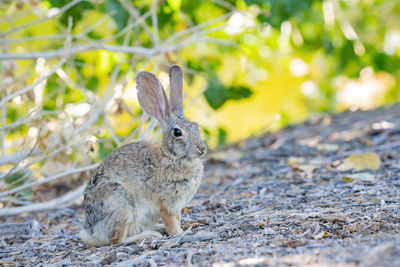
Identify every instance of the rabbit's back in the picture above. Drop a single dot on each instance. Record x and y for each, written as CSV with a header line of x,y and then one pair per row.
x,y
129,163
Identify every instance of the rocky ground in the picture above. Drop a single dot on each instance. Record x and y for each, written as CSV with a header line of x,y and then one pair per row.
x,y
277,199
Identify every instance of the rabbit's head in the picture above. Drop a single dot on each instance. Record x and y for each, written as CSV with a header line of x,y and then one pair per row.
x,y
182,137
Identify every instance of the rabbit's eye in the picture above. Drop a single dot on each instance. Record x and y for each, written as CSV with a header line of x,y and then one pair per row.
x,y
177,132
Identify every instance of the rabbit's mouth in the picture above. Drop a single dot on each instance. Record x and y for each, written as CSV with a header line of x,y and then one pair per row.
x,y
202,151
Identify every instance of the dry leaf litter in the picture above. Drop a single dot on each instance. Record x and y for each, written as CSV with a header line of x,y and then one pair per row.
x,y
292,198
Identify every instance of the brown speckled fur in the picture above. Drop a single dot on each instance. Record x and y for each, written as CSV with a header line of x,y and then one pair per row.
x,y
140,182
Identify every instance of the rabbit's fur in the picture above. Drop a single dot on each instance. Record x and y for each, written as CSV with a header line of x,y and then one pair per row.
x,y
140,182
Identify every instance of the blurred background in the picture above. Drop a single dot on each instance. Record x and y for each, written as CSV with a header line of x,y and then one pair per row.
x,y
67,73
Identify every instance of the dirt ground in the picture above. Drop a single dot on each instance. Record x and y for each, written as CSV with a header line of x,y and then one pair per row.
x,y
275,200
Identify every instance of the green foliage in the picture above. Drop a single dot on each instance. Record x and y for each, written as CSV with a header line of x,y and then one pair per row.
x,y
92,84
120,15
337,41
382,61
217,93
174,4
17,179
51,91
105,148
222,135
281,10
76,12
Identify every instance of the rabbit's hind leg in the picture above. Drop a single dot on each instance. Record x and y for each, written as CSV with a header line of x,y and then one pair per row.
x,y
109,214
119,222
115,225
112,229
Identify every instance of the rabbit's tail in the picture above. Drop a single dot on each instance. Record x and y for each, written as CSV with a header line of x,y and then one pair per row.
x,y
89,239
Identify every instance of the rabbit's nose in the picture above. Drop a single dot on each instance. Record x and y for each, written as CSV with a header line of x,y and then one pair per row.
x,y
202,150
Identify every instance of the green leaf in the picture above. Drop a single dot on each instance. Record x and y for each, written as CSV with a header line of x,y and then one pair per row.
x,y
12,115
76,12
17,179
221,136
25,194
239,92
347,179
93,84
105,148
217,93
382,61
120,16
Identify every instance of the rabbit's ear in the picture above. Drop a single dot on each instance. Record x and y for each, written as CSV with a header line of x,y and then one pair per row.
x,y
176,84
152,97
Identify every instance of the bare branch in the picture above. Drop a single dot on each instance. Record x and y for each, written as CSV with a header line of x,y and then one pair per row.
x,y
32,116
52,204
48,179
64,76
183,44
81,35
33,85
99,105
136,15
33,38
154,21
128,27
31,23
79,49
95,25
17,162
196,28
64,54
16,157
10,81
143,51
111,130
96,111
225,4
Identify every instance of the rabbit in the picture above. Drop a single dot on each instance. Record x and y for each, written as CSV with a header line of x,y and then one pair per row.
x,y
140,182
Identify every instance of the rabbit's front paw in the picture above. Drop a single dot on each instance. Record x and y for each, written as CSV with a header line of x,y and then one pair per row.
x,y
171,222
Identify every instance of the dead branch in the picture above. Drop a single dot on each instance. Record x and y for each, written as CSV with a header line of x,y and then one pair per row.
x,y
17,156
32,116
154,21
139,50
52,204
31,23
99,104
49,179
39,81
136,15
